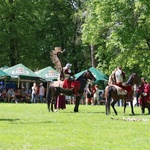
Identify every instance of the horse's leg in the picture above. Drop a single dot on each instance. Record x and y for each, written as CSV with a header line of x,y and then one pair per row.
x,y
52,107
131,103
48,99
77,104
113,106
107,105
149,109
125,105
48,104
137,97
53,103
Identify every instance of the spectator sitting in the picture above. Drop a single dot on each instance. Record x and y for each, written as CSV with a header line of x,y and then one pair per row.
x,y
19,95
4,95
11,95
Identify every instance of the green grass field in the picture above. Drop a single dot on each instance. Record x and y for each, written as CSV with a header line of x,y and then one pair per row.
x,y
32,127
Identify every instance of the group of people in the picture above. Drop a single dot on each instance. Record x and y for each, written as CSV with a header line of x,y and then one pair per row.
x,y
93,95
12,95
22,94
38,92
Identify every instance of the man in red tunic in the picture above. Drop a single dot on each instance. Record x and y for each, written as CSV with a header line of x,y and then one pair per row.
x,y
144,89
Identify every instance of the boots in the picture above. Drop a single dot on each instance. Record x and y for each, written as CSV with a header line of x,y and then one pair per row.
x,y
143,110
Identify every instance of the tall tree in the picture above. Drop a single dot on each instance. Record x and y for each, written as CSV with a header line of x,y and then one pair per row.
x,y
120,30
30,29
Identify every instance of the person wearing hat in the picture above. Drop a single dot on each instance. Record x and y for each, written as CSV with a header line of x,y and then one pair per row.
x,y
67,74
69,82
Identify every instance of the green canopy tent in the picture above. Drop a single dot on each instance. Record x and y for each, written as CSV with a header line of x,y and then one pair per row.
x,y
4,67
48,73
20,72
100,77
4,76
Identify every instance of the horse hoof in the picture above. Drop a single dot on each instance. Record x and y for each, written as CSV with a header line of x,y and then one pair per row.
x,y
75,111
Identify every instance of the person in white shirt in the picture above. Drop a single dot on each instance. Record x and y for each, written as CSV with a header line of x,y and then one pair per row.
x,y
34,93
41,92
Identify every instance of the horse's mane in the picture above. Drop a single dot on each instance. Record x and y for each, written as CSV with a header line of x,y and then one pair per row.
x,y
55,58
130,80
82,76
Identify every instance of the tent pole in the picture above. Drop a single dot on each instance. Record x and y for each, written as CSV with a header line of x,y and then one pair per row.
x,y
47,87
18,82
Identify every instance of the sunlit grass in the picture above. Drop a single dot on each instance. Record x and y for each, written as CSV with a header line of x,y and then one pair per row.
x,y
32,127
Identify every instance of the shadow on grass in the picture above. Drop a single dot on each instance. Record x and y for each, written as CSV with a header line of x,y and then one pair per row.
x,y
36,122
146,114
72,112
9,120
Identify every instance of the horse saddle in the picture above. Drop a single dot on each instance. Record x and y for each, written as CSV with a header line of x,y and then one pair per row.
x,y
57,83
120,90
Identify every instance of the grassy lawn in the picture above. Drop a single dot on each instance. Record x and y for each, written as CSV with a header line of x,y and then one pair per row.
x,y
32,127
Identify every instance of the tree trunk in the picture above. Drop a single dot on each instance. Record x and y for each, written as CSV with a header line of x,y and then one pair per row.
x,y
13,54
92,55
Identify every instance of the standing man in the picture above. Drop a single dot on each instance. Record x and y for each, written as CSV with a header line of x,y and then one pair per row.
x,y
41,92
144,89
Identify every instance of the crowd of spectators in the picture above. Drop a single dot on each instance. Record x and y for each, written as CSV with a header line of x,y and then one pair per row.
x,y
37,94
22,94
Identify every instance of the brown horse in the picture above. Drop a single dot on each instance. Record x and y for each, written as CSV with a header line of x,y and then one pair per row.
x,y
111,92
53,92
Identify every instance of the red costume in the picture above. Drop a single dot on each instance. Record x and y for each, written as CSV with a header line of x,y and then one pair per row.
x,y
68,82
144,89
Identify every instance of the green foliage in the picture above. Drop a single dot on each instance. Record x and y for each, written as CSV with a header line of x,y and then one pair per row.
x,y
31,29
120,30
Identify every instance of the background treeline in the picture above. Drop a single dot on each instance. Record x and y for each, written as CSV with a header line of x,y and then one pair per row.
x,y
103,34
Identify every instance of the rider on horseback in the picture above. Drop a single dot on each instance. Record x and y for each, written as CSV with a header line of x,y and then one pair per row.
x,y
118,77
69,82
111,80
67,74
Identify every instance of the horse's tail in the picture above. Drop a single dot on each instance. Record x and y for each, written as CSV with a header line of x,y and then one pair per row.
x,y
108,99
48,98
